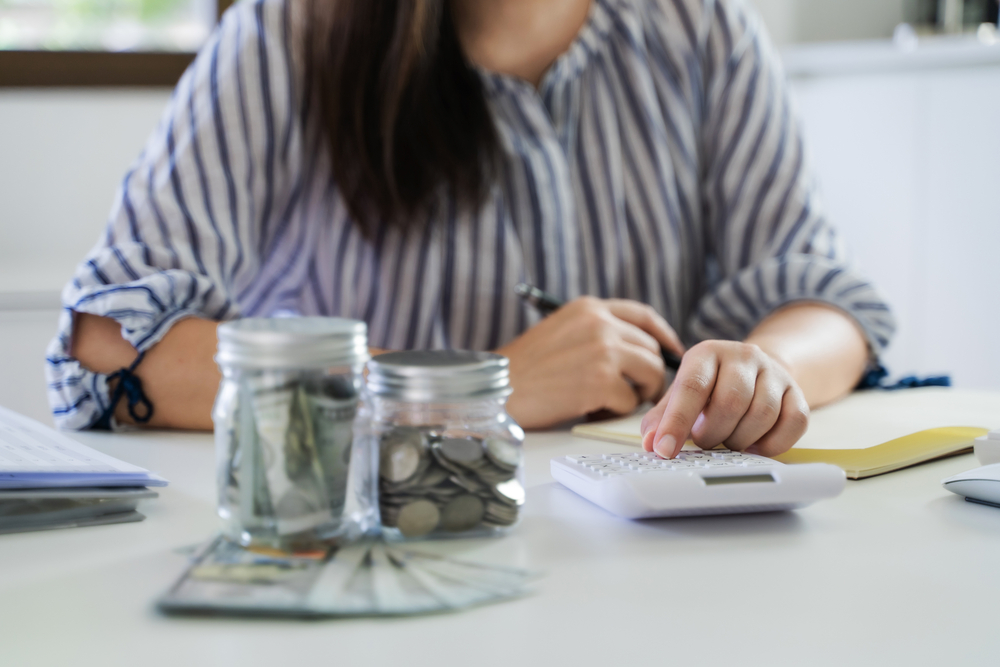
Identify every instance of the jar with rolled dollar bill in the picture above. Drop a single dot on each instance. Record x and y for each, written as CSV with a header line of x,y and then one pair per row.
x,y
450,460
286,417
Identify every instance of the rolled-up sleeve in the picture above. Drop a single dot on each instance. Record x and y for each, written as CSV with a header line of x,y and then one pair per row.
x,y
185,233
766,230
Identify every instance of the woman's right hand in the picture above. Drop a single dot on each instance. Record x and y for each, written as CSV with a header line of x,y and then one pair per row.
x,y
591,354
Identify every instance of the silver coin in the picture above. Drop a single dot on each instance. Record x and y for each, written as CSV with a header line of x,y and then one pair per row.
x,y
499,513
495,476
418,518
401,456
434,476
510,492
502,519
442,499
463,451
467,483
462,513
444,463
503,454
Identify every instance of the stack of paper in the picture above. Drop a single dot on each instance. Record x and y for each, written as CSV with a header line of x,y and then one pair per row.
x,y
869,432
363,579
49,481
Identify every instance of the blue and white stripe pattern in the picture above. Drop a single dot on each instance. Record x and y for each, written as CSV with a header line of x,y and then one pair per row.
x,y
660,160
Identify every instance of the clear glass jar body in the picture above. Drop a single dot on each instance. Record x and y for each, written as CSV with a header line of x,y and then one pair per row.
x,y
289,477
446,469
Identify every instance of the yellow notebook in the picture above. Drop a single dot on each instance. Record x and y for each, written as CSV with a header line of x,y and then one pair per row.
x,y
869,433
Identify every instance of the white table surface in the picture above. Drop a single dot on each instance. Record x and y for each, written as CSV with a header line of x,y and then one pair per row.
x,y
895,571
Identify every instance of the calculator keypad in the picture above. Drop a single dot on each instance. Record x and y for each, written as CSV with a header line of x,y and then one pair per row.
x,y
607,465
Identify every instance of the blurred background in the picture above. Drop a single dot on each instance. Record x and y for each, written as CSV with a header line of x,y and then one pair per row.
x,y
900,101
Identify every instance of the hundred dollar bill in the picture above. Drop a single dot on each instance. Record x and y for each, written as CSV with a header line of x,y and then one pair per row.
x,y
287,444
333,422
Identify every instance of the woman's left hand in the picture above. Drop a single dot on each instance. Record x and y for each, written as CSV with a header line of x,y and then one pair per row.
x,y
728,393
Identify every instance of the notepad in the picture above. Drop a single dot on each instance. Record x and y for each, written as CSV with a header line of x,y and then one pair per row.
x,y
870,432
33,456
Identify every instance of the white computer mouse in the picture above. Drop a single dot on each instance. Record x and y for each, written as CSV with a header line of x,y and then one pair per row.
x,y
982,484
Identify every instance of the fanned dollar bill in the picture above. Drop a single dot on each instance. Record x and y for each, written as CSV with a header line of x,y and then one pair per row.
x,y
362,579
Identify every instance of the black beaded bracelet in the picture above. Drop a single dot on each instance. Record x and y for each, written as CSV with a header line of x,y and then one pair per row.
x,y
130,386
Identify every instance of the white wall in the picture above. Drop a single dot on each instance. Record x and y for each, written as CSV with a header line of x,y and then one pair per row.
x,y
62,155
795,21
910,166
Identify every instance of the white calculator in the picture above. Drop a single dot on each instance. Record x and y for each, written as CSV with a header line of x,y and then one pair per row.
x,y
643,485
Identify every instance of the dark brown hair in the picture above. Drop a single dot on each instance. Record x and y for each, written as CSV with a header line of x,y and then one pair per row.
x,y
402,110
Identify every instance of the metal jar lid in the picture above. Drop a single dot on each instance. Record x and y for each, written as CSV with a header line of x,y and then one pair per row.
x,y
439,376
292,342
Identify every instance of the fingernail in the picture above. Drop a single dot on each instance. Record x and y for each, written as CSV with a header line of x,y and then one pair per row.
x,y
665,447
647,440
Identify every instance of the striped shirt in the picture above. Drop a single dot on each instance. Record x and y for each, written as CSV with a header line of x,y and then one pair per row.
x,y
659,160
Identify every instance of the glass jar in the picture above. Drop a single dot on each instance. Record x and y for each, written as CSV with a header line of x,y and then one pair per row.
x,y
285,423
450,458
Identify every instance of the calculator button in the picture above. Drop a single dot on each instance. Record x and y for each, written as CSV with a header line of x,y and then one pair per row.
x,y
682,465
754,463
715,464
584,458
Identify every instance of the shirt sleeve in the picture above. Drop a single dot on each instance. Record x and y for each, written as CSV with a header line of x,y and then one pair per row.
x,y
766,231
186,232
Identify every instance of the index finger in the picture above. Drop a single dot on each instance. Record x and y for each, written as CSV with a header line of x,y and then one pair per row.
x,y
689,395
646,318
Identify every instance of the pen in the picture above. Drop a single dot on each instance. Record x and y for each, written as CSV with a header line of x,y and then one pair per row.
x,y
547,304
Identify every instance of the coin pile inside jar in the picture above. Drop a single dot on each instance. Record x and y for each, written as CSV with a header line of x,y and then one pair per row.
x,y
431,482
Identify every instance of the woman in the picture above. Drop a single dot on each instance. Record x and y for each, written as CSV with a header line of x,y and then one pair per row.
x,y
406,163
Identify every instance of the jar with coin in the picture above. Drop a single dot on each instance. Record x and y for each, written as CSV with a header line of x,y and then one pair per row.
x,y
450,459
286,419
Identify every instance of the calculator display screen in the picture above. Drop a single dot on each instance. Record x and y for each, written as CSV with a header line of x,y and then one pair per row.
x,y
741,479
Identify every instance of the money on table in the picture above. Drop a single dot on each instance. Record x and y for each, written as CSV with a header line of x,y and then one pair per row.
x,y
367,578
